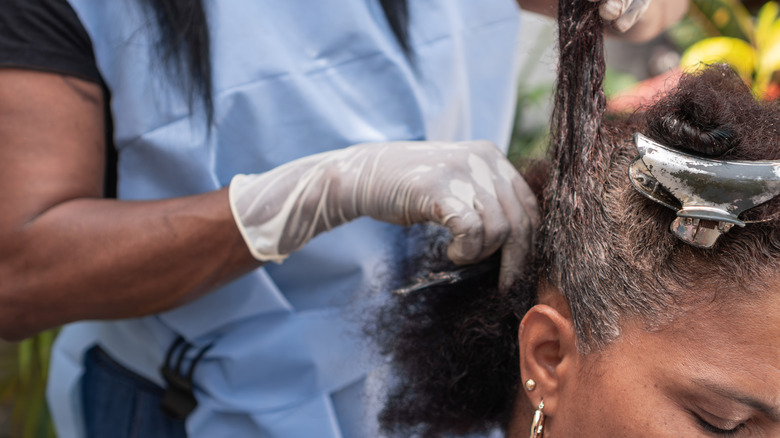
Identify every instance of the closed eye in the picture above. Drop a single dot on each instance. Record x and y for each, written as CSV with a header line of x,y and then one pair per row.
x,y
714,430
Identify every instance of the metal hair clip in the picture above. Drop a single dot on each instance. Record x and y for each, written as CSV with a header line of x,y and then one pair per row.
x,y
446,277
708,195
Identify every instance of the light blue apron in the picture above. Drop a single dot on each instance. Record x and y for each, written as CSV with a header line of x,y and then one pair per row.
x,y
291,78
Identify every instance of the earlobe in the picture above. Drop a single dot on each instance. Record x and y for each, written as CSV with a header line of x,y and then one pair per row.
x,y
548,353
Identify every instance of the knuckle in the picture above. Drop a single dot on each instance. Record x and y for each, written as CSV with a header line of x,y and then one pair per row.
x,y
503,231
472,222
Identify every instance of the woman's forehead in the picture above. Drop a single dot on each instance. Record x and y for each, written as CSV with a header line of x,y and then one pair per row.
x,y
740,329
733,348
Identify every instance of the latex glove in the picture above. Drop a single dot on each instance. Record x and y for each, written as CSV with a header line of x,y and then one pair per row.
x,y
622,13
468,187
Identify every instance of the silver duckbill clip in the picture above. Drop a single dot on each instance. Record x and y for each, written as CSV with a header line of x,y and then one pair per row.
x,y
708,195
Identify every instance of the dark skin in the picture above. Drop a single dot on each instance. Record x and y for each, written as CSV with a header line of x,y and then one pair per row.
x,y
713,371
65,253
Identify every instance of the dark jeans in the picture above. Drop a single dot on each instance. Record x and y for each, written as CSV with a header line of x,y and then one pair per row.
x,y
119,403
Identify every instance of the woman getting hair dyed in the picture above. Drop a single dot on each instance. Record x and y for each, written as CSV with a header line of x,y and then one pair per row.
x,y
620,328
189,143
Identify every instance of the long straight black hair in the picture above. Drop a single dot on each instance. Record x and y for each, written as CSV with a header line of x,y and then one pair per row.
x,y
185,49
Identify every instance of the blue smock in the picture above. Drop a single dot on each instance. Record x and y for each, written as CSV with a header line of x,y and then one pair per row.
x,y
291,78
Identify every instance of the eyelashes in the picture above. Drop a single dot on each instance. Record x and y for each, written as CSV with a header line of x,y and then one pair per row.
x,y
707,427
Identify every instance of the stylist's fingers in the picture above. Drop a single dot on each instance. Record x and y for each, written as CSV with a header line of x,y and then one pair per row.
x,y
623,14
528,200
523,215
611,10
467,232
514,254
493,193
631,15
495,224
479,227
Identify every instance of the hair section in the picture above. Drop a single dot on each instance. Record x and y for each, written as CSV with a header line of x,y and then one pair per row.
x,y
606,247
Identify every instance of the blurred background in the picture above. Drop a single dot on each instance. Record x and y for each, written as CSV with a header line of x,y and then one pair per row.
x,y
745,34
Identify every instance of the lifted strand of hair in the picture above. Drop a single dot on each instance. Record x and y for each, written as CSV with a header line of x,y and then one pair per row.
x,y
576,150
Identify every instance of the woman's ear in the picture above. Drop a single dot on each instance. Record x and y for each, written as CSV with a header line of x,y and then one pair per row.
x,y
548,355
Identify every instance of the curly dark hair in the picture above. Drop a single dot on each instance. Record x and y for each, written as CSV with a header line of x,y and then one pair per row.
x,y
605,247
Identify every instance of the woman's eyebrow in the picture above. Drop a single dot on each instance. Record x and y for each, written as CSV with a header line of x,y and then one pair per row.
x,y
767,409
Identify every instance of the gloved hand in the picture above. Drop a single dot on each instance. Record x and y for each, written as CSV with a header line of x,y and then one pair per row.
x,y
622,13
469,187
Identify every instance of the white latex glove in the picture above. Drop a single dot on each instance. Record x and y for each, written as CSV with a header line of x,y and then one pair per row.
x,y
469,187
622,13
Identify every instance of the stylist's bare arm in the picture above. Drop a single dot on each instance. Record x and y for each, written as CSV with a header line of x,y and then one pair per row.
x,y
66,254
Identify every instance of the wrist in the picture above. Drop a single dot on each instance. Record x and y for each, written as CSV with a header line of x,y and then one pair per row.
x,y
279,211
260,238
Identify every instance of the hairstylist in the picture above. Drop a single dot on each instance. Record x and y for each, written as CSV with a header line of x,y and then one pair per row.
x,y
223,129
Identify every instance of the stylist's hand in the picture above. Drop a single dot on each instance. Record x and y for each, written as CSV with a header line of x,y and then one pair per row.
x,y
468,187
622,13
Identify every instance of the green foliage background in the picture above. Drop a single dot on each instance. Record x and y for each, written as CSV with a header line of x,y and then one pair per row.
x,y
24,367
